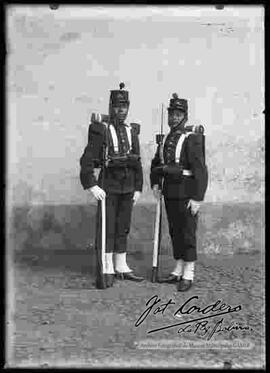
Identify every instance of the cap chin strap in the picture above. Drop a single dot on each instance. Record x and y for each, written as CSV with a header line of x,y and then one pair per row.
x,y
182,123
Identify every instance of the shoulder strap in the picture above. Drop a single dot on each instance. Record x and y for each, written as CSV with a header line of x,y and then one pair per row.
x,y
179,146
128,130
114,138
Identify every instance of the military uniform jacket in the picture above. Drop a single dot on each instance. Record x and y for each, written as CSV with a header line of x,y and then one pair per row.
x,y
192,158
115,180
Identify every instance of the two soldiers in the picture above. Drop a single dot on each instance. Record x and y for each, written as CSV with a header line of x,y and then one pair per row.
x,y
180,175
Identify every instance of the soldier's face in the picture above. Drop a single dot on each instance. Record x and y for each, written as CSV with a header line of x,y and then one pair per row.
x,y
175,118
121,111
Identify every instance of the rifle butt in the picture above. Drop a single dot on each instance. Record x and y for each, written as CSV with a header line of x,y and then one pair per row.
x,y
154,277
100,281
100,277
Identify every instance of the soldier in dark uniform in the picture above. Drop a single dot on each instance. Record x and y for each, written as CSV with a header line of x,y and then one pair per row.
x,y
182,179
120,181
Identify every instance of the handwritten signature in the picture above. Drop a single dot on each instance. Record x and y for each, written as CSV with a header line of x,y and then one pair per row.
x,y
196,325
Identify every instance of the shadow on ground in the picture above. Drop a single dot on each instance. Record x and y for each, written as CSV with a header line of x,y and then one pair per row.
x,y
60,318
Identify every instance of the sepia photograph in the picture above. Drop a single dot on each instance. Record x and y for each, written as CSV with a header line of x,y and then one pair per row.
x,y
135,186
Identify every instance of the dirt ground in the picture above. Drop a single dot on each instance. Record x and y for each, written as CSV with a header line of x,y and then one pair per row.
x,y
60,319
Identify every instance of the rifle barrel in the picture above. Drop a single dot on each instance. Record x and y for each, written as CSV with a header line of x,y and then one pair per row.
x,y
162,120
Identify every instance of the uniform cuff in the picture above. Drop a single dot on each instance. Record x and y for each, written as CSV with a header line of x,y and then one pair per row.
x,y
89,185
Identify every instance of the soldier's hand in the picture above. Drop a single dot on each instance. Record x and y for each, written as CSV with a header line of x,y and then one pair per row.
x,y
136,196
97,192
194,206
156,192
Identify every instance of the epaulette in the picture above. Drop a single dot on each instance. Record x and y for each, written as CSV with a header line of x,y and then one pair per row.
x,y
98,123
196,129
99,118
97,128
136,127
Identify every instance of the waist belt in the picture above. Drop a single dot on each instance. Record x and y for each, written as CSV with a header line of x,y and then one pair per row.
x,y
123,161
187,172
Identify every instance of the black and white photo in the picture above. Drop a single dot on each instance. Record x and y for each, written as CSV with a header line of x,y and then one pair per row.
x,y
135,186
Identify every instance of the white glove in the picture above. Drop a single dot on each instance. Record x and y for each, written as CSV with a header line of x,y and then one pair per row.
x,y
157,192
97,192
136,196
194,206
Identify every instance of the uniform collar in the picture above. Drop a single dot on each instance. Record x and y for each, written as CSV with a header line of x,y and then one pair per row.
x,y
180,130
177,131
120,124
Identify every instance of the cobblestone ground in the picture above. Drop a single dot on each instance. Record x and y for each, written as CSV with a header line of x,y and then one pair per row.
x,y
60,319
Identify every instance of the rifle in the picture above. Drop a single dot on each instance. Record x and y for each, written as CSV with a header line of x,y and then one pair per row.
x,y
101,221
101,216
158,219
